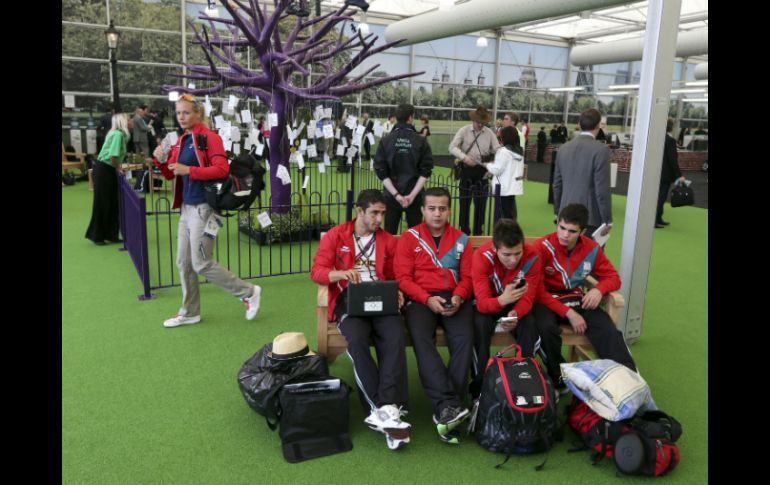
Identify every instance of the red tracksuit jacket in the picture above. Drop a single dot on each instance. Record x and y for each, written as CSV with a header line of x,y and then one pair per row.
x,y
417,264
490,277
564,273
213,164
337,251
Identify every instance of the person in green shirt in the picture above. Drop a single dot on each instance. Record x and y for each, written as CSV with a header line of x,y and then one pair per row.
x,y
105,222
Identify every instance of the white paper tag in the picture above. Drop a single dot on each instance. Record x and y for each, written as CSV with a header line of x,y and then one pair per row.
x,y
207,105
351,152
212,226
340,150
260,149
328,131
237,119
327,113
228,144
69,100
370,137
300,160
360,130
236,148
304,182
356,141
245,116
321,168
272,119
172,137
311,151
227,109
371,165
327,161
311,131
350,161
235,133
337,133
283,174
219,121
344,142
378,129
351,122
233,102
303,145
264,219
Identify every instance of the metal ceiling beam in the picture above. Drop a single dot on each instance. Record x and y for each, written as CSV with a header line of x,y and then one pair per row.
x,y
687,44
622,30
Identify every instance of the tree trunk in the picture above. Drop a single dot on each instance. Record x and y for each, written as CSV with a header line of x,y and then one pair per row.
x,y
279,155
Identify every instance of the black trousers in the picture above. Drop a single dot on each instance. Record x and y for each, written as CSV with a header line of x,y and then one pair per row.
x,y
477,191
541,153
662,196
600,331
508,204
525,333
394,211
444,385
384,382
105,222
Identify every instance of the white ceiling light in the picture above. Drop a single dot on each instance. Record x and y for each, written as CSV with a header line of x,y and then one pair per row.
x,y
681,91
611,93
573,88
481,41
623,86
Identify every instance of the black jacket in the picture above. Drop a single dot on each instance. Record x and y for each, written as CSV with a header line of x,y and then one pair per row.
x,y
541,138
670,169
403,156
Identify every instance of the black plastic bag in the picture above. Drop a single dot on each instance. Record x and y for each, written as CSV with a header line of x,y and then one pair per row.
x,y
260,379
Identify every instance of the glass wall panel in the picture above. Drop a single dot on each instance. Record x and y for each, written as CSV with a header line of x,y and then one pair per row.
x,y
85,76
147,14
79,41
87,12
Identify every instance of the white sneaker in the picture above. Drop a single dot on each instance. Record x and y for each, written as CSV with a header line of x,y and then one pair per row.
x,y
387,420
252,303
178,320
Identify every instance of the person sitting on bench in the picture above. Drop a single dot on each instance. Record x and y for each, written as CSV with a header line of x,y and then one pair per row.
x,y
350,253
568,257
433,269
506,276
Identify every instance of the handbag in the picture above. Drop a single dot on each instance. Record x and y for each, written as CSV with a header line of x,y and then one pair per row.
x,y
682,195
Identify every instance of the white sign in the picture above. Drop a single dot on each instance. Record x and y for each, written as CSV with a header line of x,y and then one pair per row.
x,y
233,102
69,100
328,131
311,151
228,144
235,133
303,145
91,141
172,137
283,174
352,152
246,116
327,162
311,130
300,160
360,130
227,109
370,137
337,133
272,119
304,182
351,122
321,168
328,113
260,149
340,150
237,148
219,121
264,220
75,140
238,119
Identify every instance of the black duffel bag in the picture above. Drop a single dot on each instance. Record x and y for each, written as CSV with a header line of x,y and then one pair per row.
x,y
261,378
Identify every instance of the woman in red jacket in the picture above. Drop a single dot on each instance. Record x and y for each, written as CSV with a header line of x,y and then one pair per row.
x,y
199,156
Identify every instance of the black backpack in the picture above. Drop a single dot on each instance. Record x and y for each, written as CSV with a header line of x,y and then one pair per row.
x,y
516,411
240,188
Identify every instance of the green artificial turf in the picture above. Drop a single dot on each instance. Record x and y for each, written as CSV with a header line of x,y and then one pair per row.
x,y
142,404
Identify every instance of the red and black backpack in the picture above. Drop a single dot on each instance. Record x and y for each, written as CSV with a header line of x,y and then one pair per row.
x,y
642,445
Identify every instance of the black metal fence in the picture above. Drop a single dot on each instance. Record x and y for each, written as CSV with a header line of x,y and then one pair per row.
x,y
288,245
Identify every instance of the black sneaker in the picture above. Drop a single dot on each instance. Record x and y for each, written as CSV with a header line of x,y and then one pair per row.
x,y
452,437
449,418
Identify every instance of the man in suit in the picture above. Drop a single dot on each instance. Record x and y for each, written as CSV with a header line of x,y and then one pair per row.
x,y
582,174
669,172
562,133
542,141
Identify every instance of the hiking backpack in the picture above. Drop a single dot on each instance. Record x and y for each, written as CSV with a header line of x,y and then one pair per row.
x,y
642,445
242,185
516,411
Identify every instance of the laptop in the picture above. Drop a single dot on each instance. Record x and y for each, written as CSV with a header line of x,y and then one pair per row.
x,y
373,298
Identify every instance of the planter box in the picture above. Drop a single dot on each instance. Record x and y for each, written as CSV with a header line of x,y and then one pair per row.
x,y
262,237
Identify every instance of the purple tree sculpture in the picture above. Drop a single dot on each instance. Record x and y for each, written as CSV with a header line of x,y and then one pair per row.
x,y
279,59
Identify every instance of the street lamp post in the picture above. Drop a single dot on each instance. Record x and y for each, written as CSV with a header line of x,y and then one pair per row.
x,y
113,35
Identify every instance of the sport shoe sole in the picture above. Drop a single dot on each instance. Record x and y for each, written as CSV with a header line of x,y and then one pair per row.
x,y
177,322
252,303
445,428
395,444
453,437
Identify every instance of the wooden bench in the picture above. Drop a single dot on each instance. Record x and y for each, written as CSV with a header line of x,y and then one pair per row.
x,y
332,343
67,164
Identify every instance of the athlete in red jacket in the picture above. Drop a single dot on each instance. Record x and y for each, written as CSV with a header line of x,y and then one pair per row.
x,y
568,257
357,251
506,277
433,268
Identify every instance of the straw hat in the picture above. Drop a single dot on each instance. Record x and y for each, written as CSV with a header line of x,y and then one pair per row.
x,y
290,345
480,115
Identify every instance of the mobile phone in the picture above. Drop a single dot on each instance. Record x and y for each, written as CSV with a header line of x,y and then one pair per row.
x,y
520,283
505,319
447,304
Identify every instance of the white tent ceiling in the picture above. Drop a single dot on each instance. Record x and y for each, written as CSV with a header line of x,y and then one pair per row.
x,y
603,25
